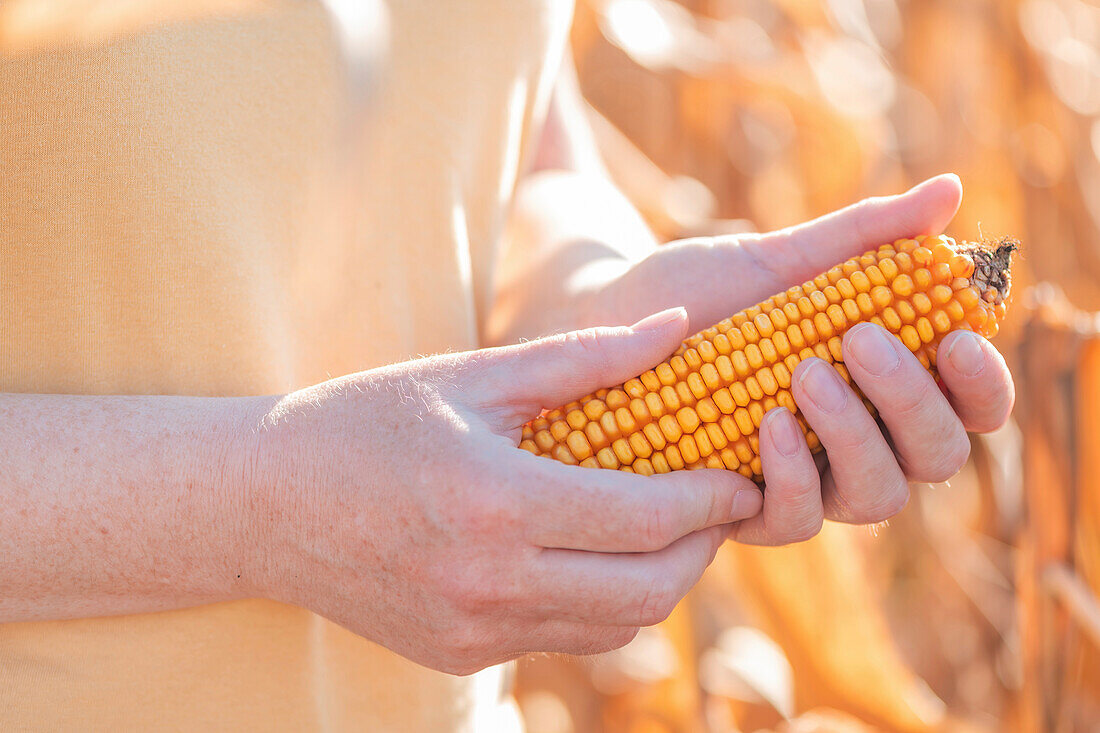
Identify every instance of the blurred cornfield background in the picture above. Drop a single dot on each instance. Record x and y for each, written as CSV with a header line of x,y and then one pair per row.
x,y
977,608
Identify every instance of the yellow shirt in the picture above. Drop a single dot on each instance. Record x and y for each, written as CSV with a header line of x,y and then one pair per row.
x,y
231,197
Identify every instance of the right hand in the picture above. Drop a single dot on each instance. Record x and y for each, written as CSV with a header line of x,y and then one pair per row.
x,y
399,506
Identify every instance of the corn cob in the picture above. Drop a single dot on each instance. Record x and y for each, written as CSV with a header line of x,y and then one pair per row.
x,y
702,408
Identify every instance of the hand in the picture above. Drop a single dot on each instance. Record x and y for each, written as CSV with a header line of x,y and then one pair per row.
x,y
400,507
863,477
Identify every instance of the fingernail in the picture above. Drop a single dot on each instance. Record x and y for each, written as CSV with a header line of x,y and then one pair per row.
x,y
933,178
823,386
872,348
784,431
746,503
657,320
965,353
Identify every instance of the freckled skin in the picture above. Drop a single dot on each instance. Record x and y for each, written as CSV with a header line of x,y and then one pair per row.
x,y
437,529
396,502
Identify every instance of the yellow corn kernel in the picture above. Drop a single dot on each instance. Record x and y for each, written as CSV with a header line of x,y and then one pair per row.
x,y
703,406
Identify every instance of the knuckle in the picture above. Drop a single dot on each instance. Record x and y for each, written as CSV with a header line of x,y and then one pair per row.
x,y
719,535
862,214
1001,413
876,492
589,342
462,667
622,636
947,464
899,499
598,640
908,400
656,605
612,639
803,531
468,591
479,598
717,504
858,443
456,665
465,647
802,480
657,530
892,501
991,412
489,513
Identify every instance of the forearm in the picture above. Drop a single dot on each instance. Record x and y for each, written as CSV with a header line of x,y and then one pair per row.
x,y
569,235
114,505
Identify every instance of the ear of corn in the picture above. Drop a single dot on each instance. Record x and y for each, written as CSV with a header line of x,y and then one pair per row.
x,y
702,408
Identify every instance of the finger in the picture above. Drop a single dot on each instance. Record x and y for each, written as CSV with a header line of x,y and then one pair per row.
x,y
495,641
808,249
622,589
928,437
613,511
870,485
555,370
572,637
978,382
793,511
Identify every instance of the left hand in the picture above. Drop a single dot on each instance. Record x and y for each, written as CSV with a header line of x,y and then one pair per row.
x,y
863,477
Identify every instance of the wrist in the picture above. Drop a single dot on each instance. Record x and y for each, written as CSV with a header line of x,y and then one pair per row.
x,y
245,464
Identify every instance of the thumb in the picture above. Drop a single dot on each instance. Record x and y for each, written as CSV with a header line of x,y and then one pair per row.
x,y
817,245
555,370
